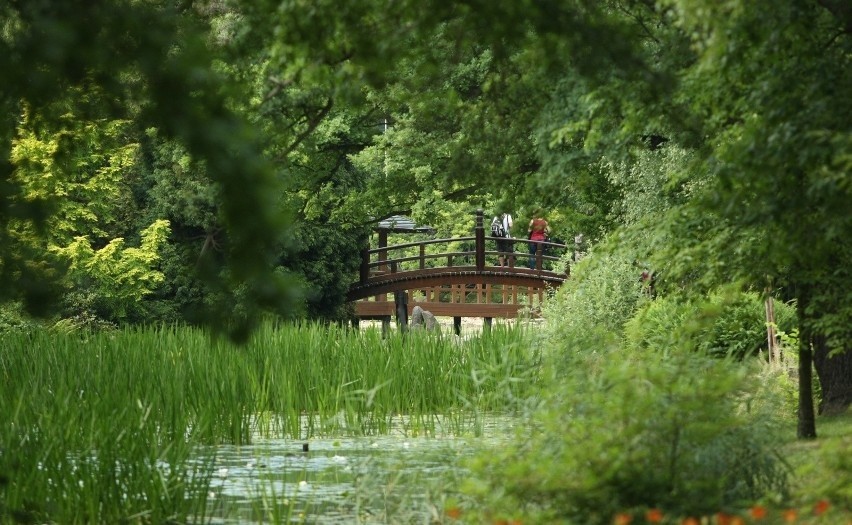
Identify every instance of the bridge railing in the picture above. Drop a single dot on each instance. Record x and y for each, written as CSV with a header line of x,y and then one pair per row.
x,y
457,277
459,252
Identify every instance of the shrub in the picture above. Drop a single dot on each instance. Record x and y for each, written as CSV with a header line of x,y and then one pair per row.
x,y
739,329
588,312
726,324
13,318
110,283
682,432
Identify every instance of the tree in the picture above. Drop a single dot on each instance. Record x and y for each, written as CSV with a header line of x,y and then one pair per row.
x,y
92,206
755,94
753,91
152,64
768,82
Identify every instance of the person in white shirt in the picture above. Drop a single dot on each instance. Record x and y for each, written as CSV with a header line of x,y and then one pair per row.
x,y
504,246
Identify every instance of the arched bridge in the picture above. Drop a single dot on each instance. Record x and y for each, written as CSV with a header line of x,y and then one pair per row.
x,y
456,277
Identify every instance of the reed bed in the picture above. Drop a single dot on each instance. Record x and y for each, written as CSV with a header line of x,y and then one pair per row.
x,y
104,427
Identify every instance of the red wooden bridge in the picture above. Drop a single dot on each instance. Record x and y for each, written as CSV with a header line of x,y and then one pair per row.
x,y
455,277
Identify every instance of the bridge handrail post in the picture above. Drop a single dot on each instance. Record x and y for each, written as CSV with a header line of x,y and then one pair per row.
x,y
479,234
382,257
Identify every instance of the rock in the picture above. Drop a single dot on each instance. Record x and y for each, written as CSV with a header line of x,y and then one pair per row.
x,y
423,320
431,321
417,320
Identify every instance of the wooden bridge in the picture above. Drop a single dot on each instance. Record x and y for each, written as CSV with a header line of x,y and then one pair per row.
x,y
455,277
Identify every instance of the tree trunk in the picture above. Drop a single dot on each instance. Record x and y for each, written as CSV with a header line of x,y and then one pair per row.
x,y
835,377
806,428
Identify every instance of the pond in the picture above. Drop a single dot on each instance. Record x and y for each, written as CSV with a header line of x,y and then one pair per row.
x,y
393,478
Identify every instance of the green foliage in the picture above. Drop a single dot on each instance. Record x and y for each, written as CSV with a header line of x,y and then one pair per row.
x,y
327,257
779,202
118,278
824,469
174,186
666,417
626,431
645,183
149,63
710,140
739,329
587,312
82,171
13,318
724,324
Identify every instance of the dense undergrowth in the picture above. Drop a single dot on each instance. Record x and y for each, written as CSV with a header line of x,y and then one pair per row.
x,y
660,410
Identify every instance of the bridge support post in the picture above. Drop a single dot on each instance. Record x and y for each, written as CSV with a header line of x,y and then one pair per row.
x,y
400,299
486,323
457,325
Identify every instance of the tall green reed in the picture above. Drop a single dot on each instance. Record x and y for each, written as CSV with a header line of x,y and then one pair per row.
x,y
83,439
105,427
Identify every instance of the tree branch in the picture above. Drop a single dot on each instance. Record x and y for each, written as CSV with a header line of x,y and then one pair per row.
x,y
277,86
461,193
641,23
313,122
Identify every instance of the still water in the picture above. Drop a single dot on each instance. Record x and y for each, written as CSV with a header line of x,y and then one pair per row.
x,y
393,478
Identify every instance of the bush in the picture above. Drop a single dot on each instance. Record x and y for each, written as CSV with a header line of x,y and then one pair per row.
x,y
13,318
686,433
588,312
726,324
739,329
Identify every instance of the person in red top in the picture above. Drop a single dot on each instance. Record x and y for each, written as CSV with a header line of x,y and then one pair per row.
x,y
538,232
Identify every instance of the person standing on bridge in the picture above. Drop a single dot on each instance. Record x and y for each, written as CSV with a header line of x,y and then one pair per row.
x,y
538,231
501,228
